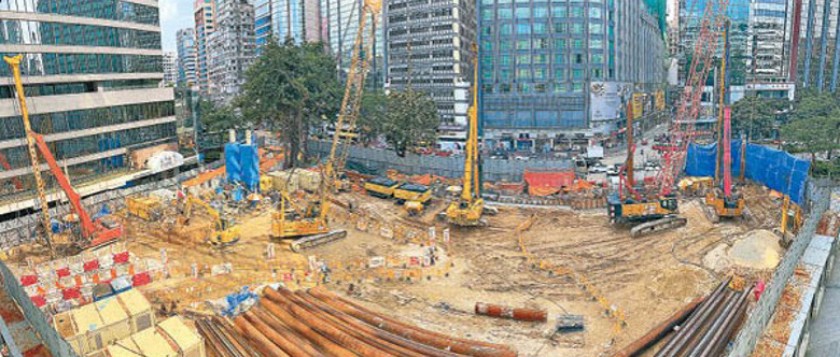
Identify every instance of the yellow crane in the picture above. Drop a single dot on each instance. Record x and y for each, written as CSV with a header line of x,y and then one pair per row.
x,y
225,233
310,223
468,210
14,62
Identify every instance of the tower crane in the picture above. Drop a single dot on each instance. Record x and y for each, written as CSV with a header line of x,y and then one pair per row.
x,y
93,232
310,223
656,208
467,210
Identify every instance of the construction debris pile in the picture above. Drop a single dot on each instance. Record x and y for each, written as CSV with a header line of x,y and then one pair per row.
x,y
318,322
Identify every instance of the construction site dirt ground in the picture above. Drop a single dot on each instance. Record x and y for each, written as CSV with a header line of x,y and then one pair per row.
x,y
576,263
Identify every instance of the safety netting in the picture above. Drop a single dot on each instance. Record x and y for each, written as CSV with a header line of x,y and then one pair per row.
x,y
773,168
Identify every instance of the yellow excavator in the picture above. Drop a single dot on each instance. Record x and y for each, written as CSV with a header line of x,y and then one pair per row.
x,y
469,209
309,225
225,232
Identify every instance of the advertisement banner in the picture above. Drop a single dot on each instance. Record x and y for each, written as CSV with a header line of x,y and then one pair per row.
x,y
660,100
605,99
638,104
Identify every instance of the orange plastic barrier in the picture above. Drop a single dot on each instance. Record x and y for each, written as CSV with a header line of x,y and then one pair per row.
x,y
546,183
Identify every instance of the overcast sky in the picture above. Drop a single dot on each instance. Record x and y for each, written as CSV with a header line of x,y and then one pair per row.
x,y
174,15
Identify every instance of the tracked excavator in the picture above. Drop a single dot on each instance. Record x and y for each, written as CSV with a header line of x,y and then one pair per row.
x,y
225,231
308,224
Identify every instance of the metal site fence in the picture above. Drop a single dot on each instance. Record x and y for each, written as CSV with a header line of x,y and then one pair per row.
x,y
819,196
22,230
49,336
377,161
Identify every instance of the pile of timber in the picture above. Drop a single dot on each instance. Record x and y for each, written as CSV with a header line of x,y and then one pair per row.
x,y
317,322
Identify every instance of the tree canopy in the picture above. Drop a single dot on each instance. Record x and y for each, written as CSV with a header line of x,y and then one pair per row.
x,y
757,116
405,119
290,89
813,126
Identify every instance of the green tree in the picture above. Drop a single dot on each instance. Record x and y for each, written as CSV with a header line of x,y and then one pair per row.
x,y
411,119
372,114
756,116
814,135
216,118
811,104
291,89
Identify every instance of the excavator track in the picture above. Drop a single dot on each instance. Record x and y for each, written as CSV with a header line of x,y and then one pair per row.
x,y
662,224
318,239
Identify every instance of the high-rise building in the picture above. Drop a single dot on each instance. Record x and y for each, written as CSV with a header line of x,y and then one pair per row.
x,y
553,72
817,63
740,37
186,46
341,22
205,24
429,48
170,68
231,48
298,20
91,75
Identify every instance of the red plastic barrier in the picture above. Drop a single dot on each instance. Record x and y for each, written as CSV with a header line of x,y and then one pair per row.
x,y
63,272
141,279
39,300
28,280
91,265
71,293
121,258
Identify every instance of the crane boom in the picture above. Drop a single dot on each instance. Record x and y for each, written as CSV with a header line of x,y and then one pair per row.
x,y
471,190
14,63
93,233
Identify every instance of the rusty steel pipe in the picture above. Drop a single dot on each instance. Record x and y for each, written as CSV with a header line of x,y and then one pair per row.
x,y
693,320
411,332
374,342
358,325
234,337
658,332
260,341
324,344
693,336
215,345
716,324
286,331
277,338
327,329
322,293
724,331
519,314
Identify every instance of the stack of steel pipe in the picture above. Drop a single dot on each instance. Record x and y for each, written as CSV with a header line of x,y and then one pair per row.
x,y
319,323
708,330
221,339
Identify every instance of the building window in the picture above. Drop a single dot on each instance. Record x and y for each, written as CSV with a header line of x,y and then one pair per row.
x,y
504,88
523,74
596,73
540,59
541,44
539,74
505,14
523,45
594,12
504,75
597,58
504,60
560,44
577,87
523,29
488,88
577,74
559,74
577,44
560,27
505,29
596,43
577,11
523,59
577,28
578,58
539,28
539,88
558,11
540,12
596,29
524,87
523,13
559,58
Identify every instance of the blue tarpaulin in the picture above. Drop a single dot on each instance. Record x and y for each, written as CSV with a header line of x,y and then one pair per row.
x,y
233,168
250,162
773,168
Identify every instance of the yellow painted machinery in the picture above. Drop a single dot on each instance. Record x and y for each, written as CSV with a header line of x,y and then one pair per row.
x,y
225,233
309,224
409,192
791,221
469,209
381,187
145,208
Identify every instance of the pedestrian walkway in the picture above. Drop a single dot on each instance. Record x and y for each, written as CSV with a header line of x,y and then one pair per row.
x,y
24,336
825,330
